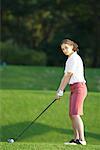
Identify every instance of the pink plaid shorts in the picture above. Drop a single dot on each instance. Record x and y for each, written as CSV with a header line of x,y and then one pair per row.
x,y
77,96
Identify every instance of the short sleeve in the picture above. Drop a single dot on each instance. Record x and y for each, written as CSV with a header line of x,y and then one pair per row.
x,y
71,66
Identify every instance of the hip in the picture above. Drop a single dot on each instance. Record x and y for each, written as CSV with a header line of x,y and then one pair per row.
x,y
78,87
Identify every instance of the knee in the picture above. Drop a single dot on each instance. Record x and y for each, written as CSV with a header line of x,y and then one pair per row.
x,y
72,117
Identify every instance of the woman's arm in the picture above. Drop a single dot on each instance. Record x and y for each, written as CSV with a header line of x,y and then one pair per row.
x,y
63,83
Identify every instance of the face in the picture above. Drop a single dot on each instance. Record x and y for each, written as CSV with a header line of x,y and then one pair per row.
x,y
67,49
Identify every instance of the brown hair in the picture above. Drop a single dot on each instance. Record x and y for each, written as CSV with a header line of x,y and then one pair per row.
x,y
70,42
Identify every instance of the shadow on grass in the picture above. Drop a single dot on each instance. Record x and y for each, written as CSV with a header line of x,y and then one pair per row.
x,y
13,130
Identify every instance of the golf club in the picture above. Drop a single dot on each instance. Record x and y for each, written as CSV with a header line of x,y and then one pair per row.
x,y
11,140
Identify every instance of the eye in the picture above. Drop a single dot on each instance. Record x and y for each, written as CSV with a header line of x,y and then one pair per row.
x,y
66,47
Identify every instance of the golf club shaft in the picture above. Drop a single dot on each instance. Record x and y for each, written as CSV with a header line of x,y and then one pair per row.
x,y
34,120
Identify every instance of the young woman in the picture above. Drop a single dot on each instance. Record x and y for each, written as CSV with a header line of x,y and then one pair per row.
x,y
74,76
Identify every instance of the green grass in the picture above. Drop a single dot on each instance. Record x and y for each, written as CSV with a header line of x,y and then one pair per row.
x,y
46,146
19,105
41,78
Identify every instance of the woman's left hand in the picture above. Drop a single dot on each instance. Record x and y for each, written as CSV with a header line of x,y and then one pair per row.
x,y
59,94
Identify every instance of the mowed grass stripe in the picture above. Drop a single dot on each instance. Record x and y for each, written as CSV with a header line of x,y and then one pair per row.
x,y
20,107
41,78
46,146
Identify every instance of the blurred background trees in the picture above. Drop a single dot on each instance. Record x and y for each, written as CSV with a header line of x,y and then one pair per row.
x,y
31,31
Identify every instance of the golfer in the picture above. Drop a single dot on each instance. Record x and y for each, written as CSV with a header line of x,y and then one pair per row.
x,y
74,76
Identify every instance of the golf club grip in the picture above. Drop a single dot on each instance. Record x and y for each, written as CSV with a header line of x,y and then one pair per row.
x,y
35,119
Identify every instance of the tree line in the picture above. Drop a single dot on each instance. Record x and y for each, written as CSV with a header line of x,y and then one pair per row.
x,y
40,25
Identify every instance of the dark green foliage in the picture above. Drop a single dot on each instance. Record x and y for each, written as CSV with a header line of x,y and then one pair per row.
x,y
13,54
42,24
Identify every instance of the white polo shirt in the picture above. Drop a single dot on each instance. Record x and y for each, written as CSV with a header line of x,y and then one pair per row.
x,y
74,64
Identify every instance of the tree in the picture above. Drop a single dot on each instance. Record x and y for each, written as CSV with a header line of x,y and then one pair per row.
x,y
42,24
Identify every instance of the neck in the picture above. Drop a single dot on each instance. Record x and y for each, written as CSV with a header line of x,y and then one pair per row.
x,y
70,54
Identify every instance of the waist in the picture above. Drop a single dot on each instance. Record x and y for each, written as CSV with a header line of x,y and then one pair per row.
x,y
76,78
77,85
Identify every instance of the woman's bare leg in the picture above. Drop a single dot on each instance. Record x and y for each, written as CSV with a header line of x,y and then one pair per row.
x,y
76,134
78,127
